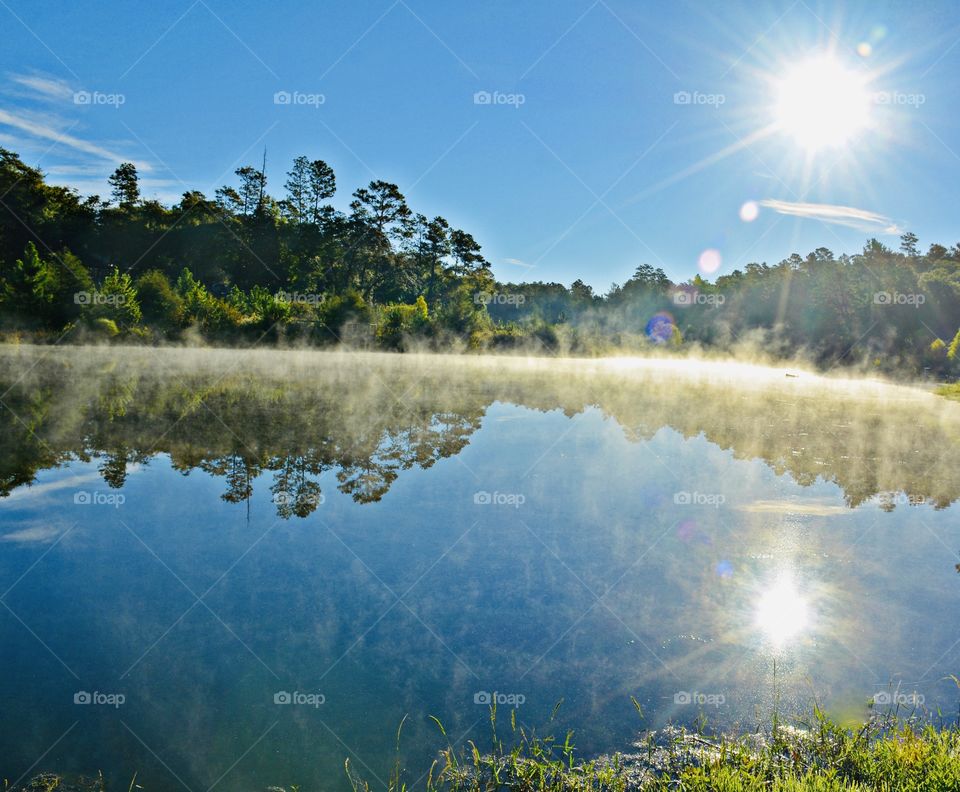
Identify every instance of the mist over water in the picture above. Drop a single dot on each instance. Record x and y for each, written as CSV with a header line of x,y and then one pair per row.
x,y
219,536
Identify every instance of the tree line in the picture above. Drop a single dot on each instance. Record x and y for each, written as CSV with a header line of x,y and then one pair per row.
x,y
246,267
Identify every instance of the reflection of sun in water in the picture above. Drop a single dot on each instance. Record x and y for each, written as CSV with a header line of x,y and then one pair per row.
x,y
781,612
822,104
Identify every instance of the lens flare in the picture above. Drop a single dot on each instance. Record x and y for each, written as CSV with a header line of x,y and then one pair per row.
x,y
749,211
661,327
710,261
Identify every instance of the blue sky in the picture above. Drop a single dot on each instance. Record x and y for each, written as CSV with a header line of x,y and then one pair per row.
x,y
585,163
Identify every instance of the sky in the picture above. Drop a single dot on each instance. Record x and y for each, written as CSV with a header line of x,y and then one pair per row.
x,y
572,138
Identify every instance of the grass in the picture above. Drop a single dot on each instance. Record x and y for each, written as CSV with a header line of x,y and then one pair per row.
x,y
951,391
887,753
816,755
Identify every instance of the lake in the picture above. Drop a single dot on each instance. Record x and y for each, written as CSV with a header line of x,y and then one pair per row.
x,y
237,569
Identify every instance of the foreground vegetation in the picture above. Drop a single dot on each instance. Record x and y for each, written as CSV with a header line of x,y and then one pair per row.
x,y
246,268
883,754
816,756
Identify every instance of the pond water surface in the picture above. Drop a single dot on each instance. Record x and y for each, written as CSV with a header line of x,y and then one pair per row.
x,y
235,570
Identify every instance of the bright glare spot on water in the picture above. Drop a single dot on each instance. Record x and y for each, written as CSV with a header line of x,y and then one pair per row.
x,y
782,612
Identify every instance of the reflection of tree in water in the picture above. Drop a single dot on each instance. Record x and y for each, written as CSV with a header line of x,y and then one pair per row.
x,y
236,430
239,475
114,465
348,421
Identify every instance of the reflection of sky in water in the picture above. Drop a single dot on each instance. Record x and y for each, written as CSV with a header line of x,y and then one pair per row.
x,y
619,572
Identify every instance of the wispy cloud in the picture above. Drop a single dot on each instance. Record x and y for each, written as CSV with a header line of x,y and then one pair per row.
x,y
48,487
43,87
38,128
849,216
518,263
41,534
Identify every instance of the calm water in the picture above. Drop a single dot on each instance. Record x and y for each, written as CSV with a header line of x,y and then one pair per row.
x,y
255,564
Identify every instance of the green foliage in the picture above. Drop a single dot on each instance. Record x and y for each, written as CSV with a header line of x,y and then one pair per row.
x,y
202,308
266,307
951,391
336,311
105,326
819,757
160,304
125,185
954,347
463,311
398,322
361,267
116,300
44,291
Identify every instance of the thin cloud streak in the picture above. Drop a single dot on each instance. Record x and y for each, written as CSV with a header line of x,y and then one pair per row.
x,y
46,132
47,87
849,216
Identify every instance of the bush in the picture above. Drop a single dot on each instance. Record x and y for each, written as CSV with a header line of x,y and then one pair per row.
x,y
202,308
336,311
266,309
43,292
159,303
116,301
399,321
104,326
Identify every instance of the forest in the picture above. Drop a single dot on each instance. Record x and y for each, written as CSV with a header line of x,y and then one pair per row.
x,y
245,267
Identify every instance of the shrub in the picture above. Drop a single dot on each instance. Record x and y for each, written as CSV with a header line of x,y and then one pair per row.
x,y
104,326
338,310
399,321
159,303
202,308
116,301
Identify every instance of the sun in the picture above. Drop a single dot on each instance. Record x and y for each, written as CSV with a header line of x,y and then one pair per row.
x,y
822,104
